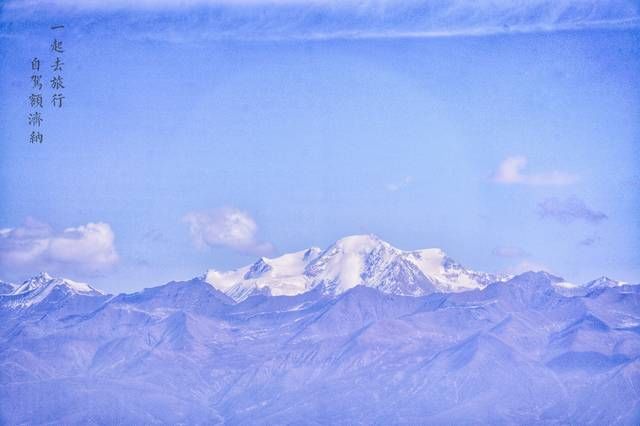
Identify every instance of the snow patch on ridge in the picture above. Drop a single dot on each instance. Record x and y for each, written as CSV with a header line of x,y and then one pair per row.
x,y
283,276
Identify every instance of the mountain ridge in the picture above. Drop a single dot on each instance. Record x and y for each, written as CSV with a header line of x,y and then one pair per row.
x,y
356,260
185,353
351,261
42,287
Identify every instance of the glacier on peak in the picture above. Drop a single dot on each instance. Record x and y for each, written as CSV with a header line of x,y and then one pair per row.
x,y
354,260
279,276
41,286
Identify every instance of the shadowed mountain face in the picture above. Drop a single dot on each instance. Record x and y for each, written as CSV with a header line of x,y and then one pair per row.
x,y
6,288
513,352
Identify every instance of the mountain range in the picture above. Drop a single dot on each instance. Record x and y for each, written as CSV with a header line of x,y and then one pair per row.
x,y
351,261
359,333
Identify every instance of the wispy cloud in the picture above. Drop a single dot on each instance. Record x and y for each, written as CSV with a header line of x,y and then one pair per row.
x,y
331,19
396,186
509,252
226,227
35,245
512,171
569,210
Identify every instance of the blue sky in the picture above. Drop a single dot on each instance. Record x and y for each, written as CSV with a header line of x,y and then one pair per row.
x,y
203,136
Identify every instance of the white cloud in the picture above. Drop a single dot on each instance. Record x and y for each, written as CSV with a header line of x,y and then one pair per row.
x,y
226,227
35,246
526,266
90,244
396,186
509,252
511,171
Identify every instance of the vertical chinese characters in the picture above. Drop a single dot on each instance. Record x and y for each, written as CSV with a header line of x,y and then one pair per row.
x,y
35,102
39,80
57,80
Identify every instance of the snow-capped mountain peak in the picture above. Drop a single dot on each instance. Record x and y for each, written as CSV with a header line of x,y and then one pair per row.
x,y
283,275
44,280
604,282
351,261
34,283
41,286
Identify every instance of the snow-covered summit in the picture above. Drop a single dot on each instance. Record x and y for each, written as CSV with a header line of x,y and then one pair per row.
x,y
279,276
44,280
604,282
39,287
351,261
